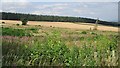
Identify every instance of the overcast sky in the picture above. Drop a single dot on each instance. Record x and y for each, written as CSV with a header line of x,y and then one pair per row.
x,y
107,11
60,0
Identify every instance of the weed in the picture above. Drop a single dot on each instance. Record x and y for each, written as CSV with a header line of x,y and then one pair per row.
x,y
83,32
95,50
15,32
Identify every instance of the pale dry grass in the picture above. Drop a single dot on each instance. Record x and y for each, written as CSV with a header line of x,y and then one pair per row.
x,y
64,25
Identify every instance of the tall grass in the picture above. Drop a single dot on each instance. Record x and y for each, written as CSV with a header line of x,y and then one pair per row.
x,y
18,32
98,50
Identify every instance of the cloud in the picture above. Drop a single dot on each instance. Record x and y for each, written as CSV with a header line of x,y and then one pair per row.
x,y
15,1
103,10
43,12
52,6
60,0
86,6
77,10
12,11
92,13
0,10
15,4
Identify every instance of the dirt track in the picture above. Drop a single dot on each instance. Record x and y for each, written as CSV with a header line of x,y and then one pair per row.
x,y
64,25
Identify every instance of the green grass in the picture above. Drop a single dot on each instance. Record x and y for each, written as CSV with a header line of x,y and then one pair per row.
x,y
96,48
18,32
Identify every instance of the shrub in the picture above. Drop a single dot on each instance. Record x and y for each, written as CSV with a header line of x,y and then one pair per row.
x,y
50,26
95,29
93,33
17,24
40,25
15,32
83,32
3,22
34,30
90,28
24,21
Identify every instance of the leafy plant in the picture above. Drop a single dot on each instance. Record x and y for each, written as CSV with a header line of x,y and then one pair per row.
x,y
15,32
83,32
95,50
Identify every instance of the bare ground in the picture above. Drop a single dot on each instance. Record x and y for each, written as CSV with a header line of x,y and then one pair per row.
x,y
82,26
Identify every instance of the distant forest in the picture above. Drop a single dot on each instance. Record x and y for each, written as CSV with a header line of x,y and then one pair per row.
x,y
32,17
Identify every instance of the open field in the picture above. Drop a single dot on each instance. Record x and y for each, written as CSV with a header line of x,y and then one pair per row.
x,y
83,26
58,44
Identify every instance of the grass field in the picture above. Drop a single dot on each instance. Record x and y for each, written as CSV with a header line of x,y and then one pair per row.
x,y
58,44
83,26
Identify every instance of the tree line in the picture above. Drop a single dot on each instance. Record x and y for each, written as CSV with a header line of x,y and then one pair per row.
x,y
50,18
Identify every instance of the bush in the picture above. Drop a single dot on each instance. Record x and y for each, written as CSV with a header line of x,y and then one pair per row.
x,y
24,21
3,22
34,30
15,32
17,24
50,26
83,32
95,29
93,33
40,25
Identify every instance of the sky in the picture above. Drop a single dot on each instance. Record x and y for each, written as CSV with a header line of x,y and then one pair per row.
x,y
60,0
107,11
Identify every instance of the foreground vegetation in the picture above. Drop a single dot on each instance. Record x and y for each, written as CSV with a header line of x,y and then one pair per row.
x,y
41,46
